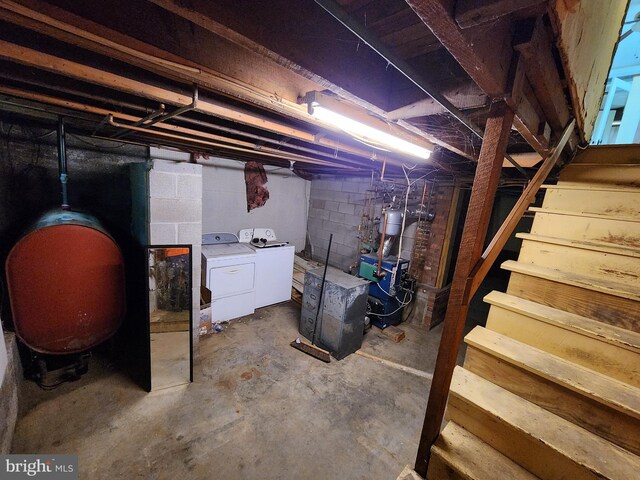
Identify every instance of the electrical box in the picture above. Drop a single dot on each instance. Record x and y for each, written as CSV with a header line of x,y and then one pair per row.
x,y
368,271
341,319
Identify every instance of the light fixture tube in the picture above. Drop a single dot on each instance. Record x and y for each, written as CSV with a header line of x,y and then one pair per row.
x,y
367,134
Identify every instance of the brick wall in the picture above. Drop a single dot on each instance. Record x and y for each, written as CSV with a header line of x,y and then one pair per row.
x,y
431,305
441,202
432,294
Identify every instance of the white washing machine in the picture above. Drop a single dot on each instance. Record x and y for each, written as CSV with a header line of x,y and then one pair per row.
x,y
228,270
274,265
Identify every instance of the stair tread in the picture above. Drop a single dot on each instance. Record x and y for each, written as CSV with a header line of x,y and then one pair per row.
x,y
547,431
617,175
604,247
611,165
618,395
592,188
474,459
583,214
592,328
610,287
607,155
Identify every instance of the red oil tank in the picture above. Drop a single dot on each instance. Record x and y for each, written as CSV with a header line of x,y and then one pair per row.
x,y
66,284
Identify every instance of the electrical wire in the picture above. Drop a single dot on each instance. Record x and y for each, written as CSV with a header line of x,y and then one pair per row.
x,y
402,305
95,145
402,302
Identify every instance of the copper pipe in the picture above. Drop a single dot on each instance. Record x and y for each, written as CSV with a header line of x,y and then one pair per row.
x,y
381,246
70,91
214,144
101,111
144,121
250,148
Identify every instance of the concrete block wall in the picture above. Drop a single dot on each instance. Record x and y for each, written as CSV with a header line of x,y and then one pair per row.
x,y
335,206
224,207
175,213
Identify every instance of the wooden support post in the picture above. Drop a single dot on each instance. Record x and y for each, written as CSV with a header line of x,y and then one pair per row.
x,y
506,229
494,147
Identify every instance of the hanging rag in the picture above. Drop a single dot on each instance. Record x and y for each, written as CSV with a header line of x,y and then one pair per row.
x,y
254,178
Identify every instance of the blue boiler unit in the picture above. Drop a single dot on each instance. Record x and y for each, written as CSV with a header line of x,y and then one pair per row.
x,y
386,295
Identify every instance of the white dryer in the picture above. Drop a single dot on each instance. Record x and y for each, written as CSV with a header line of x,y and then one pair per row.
x,y
274,265
228,270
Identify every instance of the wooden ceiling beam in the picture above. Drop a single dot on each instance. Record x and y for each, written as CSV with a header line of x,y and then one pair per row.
x,y
486,54
534,45
471,13
293,81
101,40
75,30
33,58
465,97
307,48
171,131
208,23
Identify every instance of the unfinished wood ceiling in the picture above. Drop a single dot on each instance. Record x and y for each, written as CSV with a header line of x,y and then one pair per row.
x,y
227,77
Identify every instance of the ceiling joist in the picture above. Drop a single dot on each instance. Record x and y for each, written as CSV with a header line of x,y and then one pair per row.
x,y
251,89
533,44
471,13
75,30
466,97
486,54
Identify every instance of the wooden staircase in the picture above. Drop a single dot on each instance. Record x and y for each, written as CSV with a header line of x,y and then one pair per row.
x,y
550,389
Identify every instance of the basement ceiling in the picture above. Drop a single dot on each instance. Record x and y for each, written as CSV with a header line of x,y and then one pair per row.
x,y
227,78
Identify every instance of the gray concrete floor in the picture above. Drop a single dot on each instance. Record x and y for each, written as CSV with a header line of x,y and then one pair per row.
x,y
257,409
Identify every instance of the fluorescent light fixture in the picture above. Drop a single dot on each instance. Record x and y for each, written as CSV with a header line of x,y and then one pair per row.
x,y
366,134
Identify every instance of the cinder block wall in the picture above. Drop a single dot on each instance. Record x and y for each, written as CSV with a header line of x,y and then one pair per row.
x,y
224,201
175,214
335,206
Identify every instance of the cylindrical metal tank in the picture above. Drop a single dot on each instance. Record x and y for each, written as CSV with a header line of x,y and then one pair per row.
x,y
66,284
394,223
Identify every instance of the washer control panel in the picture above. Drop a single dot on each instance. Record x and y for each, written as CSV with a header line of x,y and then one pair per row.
x,y
247,235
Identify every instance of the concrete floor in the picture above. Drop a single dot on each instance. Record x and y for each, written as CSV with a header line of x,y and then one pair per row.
x,y
257,409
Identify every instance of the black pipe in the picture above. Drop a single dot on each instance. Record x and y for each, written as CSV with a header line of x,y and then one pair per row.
x,y
62,163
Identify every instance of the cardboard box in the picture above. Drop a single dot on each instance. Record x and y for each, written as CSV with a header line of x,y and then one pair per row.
x,y
206,326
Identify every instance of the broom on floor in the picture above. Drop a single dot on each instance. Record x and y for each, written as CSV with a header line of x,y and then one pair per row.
x,y
311,348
